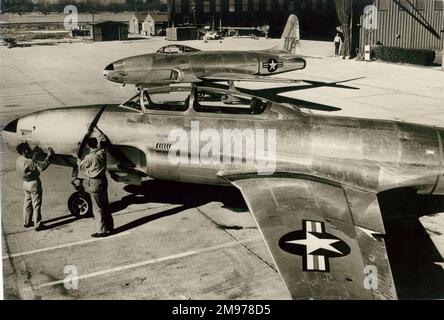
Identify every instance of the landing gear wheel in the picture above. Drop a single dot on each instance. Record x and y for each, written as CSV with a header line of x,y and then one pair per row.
x,y
79,204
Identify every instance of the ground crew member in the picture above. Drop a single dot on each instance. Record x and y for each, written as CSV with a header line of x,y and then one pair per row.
x,y
94,165
28,170
337,42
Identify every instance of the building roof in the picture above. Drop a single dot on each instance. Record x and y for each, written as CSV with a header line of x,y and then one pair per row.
x,y
140,16
122,16
33,17
159,16
95,23
156,16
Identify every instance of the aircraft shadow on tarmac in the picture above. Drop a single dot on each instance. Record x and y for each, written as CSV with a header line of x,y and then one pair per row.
x,y
274,94
412,254
186,194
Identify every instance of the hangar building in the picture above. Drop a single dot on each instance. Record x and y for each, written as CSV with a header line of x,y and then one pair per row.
x,y
317,18
400,23
412,24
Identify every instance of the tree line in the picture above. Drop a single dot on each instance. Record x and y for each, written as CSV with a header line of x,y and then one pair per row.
x,y
88,6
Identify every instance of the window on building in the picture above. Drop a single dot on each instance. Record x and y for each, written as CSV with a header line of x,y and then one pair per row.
x,y
291,5
255,5
232,5
217,6
324,5
420,4
439,5
244,5
303,5
206,4
384,5
178,6
280,4
404,5
313,5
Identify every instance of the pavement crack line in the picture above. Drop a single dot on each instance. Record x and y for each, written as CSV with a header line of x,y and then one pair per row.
x,y
243,244
23,290
7,249
40,85
143,209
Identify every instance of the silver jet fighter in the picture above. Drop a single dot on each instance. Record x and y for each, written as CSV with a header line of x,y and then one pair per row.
x,y
183,64
311,185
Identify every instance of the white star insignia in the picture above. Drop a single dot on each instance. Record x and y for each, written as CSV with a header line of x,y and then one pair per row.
x,y
314,243
272,65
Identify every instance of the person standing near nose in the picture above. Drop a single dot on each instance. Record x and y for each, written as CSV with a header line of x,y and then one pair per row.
x,y
28,169
94,165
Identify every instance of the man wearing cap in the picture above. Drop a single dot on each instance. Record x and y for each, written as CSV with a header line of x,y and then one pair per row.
x,y
28,169
94,166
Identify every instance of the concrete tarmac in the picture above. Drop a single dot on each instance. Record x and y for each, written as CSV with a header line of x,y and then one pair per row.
x,y
182,241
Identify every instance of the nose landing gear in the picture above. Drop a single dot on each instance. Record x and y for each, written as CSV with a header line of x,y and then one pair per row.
x,y
79,203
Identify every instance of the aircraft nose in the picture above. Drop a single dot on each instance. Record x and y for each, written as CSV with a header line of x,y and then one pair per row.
x,y
112,73
108,69
9,134
110,66
11,127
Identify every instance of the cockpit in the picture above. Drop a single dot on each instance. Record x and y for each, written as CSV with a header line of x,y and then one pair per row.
x,y
176,48
228,103
167,98
205,101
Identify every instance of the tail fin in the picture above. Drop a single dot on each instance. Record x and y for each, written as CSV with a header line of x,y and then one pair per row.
x,y
290,37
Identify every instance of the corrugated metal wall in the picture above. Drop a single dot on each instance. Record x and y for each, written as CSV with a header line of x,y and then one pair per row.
x,y
399,28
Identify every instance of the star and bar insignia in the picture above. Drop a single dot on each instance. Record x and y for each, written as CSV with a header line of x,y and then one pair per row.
x,y
314,245
272,65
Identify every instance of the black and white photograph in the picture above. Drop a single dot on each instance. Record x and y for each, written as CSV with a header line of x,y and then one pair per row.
x,y
234,151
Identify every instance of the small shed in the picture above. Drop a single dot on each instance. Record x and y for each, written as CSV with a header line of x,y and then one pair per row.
x,y
148,23
159,22
182,33
137,22
109,31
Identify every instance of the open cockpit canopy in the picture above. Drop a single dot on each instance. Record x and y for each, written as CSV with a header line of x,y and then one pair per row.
x,y
206,100
176,48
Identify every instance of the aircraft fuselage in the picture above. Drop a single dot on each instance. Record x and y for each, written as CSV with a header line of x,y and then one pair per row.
x,y
369,154
161,68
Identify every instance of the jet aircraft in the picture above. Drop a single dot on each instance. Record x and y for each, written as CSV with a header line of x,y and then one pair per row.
x,y
317,210
183,64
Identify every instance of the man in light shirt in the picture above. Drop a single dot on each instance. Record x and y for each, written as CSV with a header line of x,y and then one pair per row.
x,y
94,166
28,169
337,42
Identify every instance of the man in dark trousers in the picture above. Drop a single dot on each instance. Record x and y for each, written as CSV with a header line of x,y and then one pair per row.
x,y
338,42
28,169
94,166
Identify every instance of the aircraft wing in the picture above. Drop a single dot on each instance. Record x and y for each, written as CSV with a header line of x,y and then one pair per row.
x,y
318,233
244,77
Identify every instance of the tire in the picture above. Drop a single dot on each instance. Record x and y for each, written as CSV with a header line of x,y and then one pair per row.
x,y
79,204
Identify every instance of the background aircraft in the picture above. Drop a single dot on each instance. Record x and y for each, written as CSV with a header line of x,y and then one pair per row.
x,y
318,210
183,64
